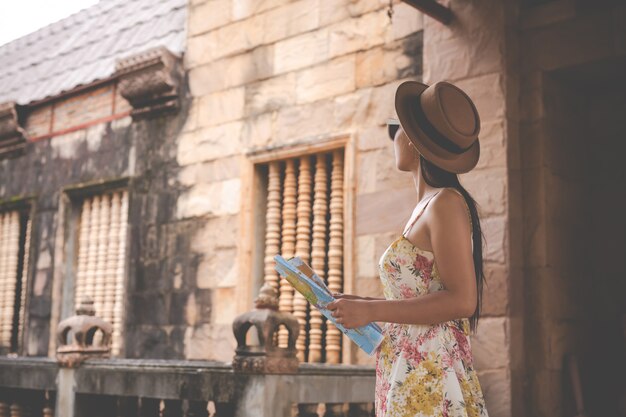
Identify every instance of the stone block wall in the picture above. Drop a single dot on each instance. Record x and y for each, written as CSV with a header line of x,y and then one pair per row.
x,y
272,73
86,141
570,55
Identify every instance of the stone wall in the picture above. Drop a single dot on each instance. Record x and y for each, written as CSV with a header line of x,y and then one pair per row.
x,y
140,154
272,73
571,55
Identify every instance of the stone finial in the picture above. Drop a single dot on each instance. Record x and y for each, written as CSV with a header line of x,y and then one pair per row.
x,y
266,357
82,329
12,135
150,82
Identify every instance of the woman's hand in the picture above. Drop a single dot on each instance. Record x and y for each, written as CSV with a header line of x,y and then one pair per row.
x,y
350,313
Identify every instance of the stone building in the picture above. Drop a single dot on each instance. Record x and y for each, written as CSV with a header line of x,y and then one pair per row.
x,y
155,155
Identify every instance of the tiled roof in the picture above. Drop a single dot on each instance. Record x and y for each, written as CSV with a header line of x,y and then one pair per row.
x,y
83,48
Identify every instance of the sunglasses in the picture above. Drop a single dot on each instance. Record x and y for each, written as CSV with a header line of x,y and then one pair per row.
x,y
392,127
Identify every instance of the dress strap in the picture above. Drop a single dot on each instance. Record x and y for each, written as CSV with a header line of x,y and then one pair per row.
x,y
406,230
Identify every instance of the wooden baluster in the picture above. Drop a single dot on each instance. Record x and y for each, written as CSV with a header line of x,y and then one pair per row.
x,y
92,248
303,248
308,410
198,409
83,245
318,252
17,410
112,252
5,339
120,274
47,411
288,247
25,285
100,277
272,219
335,253
9,258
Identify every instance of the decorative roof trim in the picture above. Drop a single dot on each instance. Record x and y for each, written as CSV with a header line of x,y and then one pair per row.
x,y
12,134
150,82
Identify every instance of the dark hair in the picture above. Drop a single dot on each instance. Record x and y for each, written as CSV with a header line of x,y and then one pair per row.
x,y
438,177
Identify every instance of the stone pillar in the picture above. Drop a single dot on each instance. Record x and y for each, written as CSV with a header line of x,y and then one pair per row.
x,y
474,52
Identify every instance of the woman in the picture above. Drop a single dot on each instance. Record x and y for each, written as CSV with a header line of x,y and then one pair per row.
x,y
432,274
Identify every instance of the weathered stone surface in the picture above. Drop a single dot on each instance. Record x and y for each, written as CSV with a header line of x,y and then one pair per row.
x,y
210,341
366,172
222,107
338,10
487,93
225,309
258,130
389,177
492,146
245,8
328,80
495,290
489,189
209,143
289,20
356,34
388,62
232,71
271,94
375,137
405,21
496,386
213,272
496,245
303,121
210,199
490,344
365,266
210,171
373,214
210,15
301,51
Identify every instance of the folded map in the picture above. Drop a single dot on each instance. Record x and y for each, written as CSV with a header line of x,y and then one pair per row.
x,y
302,277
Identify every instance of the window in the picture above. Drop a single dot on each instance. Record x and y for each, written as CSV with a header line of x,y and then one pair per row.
x,y
303,199
101,259
14,252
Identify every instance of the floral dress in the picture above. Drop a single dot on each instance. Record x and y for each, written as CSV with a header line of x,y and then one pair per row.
x,y
422,370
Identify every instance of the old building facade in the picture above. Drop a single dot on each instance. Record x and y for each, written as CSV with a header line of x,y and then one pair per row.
x,y
157,164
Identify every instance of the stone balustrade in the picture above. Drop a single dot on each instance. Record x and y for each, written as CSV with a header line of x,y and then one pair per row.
x,y
126,387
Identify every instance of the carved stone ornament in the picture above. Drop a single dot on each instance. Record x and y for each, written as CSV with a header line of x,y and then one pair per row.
x,y
266,357
89,336
12,135
150,82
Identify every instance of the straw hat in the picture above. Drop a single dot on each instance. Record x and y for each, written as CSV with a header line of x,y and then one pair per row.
x,y
442,122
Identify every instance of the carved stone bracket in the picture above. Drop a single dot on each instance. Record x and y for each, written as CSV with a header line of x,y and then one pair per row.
x,y
12,135
150,82
266,357
83,336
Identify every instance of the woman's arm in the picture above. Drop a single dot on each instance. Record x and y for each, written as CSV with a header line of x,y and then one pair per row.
x,y
449,231
450,238
355,297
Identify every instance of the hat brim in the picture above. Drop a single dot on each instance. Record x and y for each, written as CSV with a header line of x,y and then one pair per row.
x,y
409,91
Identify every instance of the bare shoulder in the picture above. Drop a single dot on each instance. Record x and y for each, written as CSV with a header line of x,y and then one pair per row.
x,y
449,207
